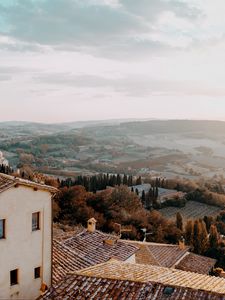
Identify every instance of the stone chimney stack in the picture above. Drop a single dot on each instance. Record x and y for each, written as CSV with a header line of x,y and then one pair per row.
x,y
182,243
91,225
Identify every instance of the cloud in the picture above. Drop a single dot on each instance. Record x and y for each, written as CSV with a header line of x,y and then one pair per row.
x,y
133,86
66,21
112,53
5,77
7,70
150,10
112,28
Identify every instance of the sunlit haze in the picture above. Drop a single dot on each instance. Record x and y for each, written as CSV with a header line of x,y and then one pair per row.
x,y
72,60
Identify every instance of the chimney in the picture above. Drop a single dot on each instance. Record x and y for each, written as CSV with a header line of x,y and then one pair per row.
x,y
91,224
182,243
111,241
219,272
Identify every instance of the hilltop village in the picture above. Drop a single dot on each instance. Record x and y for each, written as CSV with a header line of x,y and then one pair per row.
x,y
90,259
112,150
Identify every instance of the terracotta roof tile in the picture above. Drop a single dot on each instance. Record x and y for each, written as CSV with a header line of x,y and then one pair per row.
x,y
144,256
82,287
92,245
86,249
167,255
163,255
65,233
172,256
196,263
143,273
7,181
116,280
64,260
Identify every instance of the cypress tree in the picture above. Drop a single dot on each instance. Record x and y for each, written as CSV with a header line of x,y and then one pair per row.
x,y
179,221
139,181
130,180
189,232
125,180
196,237
136,191
156,192
114,181
213,237
208,221
143,198
118,179
203,237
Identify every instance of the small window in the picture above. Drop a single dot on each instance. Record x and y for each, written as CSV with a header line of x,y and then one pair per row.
x,y
37,272
2,229
35,221
14,277
168,290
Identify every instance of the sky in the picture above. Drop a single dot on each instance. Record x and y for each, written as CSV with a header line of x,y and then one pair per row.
x,y
73,60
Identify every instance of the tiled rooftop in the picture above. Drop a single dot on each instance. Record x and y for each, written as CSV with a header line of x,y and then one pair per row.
x,y
166,255
115,280
64,260
144,256
87,249
196,263
91,245
143,273
84,288
171,256
67,232
7,181
163,255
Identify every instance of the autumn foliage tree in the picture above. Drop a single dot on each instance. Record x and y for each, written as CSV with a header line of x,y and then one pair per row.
x,y
118,205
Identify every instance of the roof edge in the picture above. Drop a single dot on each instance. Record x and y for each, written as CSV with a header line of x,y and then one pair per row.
x,y
23,182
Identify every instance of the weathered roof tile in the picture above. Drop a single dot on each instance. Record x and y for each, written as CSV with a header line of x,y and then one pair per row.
x,y
87,249
144,273
196,263
7,181
172,256
119,280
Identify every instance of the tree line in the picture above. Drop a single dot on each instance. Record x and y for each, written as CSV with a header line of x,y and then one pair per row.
x,y
101,181
6,169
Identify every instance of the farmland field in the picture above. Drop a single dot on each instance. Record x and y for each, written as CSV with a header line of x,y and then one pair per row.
x,y
192,210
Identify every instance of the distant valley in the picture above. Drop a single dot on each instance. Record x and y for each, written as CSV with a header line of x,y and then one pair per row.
x,y
167,148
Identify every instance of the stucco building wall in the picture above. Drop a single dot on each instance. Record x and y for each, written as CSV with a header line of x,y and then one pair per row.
x,y
23,248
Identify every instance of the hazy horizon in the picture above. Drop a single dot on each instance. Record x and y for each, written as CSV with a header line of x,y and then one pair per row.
x,y
75,60
109,120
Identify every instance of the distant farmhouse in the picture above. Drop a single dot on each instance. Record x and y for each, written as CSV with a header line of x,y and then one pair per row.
x,y
162,193
141,187
3,161
166,194
25,238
